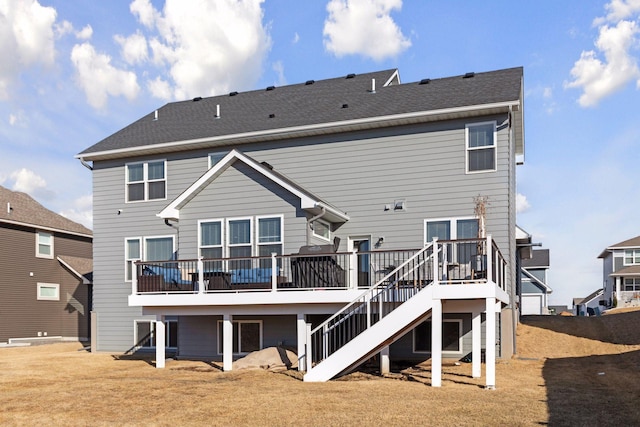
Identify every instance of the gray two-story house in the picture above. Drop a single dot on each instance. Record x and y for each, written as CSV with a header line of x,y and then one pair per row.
x,y
621,273
336,217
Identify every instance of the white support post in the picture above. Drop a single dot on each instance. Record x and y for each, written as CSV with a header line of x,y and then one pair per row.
x,y
227,342
274,272
353,270
200,276
308,351
302,341
436,343
489,265
436,279
476,345
385,363
490,344
134,277
159,335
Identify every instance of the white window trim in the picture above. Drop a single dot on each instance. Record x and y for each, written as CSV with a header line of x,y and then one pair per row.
x,y
143,249
446,352
452,222
133,260
257,231
327,224
209,165
136,339
145,180
38,254
494,146
229,245
41,297
633,257
222,235
220,344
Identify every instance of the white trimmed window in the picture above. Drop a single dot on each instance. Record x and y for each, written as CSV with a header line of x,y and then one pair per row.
x,y
48,291
156,248
481,153
132,253
632,284
450,229
632,257
146,181
44,244
145,334
321,229
214,158
247,336
269,235
451,337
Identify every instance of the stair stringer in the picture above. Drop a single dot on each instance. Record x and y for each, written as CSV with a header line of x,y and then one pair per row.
x,y
383,333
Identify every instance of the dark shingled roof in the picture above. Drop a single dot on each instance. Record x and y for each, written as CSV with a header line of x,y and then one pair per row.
x,y
24,210
81,267
324,101
539,258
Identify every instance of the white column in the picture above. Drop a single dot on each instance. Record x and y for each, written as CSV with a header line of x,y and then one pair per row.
x,y
490,344
436,343
200,276
476,341
160,341
308,351
302,342
385,364
274,272
227,342
353,270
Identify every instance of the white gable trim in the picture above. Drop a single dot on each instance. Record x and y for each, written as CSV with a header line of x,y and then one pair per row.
x,y
172,211
533,278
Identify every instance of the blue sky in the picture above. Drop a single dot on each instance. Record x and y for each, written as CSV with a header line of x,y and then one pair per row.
x,y
76,71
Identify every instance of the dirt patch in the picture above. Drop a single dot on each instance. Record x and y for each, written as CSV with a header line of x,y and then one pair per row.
x,y
270,358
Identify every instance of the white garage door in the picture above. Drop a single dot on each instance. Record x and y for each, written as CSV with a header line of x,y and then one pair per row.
x,y
531,304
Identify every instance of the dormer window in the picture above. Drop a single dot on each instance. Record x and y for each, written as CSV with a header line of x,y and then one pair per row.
x,y
146,181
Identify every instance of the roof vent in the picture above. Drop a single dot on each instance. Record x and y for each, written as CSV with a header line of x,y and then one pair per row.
x,y
234,93
309,82
350,76
217,111
271,116
197,98
271,87
425,81
345,105
155,115
373,86
267,165
469,75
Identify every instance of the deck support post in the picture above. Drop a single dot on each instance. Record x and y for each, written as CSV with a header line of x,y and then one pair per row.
x,y
301,328
476,344
309,350
159,335
385,363
227,342
490,345
436,343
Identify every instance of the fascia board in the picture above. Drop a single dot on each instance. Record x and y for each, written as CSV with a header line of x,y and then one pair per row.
x,y
45,228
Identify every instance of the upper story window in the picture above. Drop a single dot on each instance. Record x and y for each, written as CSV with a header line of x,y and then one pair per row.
x,y
215,158
632,257
146,181
44,244
481,147
321,229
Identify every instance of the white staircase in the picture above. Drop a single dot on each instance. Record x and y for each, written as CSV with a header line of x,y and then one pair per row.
x,y
382,314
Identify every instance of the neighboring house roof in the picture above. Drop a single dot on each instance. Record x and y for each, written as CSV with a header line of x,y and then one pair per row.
x,y
633,270
81,267
592,296
308,201
316,108
19,208
539,259
627,244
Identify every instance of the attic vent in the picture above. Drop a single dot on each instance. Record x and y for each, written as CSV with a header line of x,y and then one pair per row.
x,y
425,81
345,105
271,87
271,116
469,75
234,93
309,82
197,98
350,76
267,165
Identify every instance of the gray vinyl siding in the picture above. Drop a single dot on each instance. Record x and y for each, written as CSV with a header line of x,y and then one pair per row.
x,y
530,288
358,172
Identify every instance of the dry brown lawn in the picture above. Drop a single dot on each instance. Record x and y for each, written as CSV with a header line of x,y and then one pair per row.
x,y
569,371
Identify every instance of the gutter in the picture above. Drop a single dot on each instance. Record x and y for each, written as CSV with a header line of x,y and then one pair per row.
x,y
84,163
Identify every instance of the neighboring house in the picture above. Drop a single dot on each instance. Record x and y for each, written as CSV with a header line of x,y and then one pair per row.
x,y
45,285
621,273
305,216
534,291
592,305
556,310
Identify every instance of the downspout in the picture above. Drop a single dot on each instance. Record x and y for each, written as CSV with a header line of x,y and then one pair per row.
x,y
310,220
177,228
85,164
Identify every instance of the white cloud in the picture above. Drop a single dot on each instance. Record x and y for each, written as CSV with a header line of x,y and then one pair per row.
x,y
363,27
17,119
27,181
81,211
63,28
159,88
279,69
26,39
99,79
134,48
296,38
85,33
522,204
207,47
600,78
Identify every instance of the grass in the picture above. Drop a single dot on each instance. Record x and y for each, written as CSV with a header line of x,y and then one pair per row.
x,y
559,378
